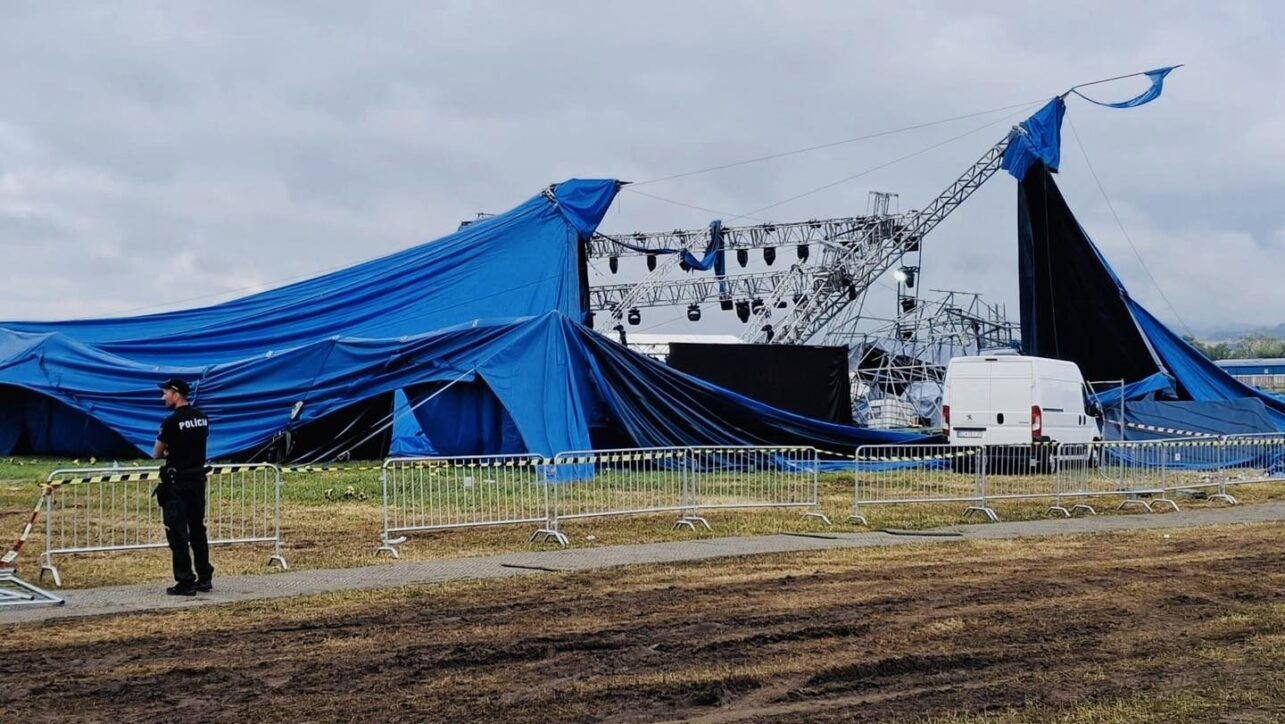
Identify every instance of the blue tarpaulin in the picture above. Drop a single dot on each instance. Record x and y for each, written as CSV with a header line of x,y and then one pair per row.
x,y
1164,420
519,263
1037,139
1153,91
476,338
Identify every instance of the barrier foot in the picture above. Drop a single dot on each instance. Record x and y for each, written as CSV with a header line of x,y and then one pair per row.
x,y
1134,501
1083,508
544,535
990,514
858,519
279,560
1225,498
1172,505
820,516
388,545
689,522
16,592
1059,510
52,569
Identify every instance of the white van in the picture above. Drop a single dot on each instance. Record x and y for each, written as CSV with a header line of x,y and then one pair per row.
x,y
1015,400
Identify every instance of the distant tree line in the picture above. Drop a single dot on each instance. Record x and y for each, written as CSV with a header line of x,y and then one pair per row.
x,y
1249,346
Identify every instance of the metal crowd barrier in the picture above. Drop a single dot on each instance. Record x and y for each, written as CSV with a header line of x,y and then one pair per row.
x,y
426,494
1137,471
756,477
905,474
1245,460
96,510
16,592
601,483
1146,474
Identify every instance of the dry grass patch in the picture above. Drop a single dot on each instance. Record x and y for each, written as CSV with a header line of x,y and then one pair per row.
x,y
1121,627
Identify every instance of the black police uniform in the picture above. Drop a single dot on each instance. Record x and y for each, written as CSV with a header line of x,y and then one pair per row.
x,y
182,497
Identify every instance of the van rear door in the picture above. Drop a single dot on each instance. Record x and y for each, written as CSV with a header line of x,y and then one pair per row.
x,y
969,389
1011,386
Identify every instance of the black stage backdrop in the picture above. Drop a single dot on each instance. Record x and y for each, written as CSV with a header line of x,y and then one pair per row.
x,y
810,381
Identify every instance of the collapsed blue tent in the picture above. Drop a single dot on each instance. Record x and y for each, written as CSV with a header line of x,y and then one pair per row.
x,y
474,341
1074,307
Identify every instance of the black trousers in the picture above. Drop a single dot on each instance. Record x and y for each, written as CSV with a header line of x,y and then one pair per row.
x,y
184,514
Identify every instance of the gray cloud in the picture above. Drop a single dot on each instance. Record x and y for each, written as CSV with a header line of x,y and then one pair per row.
x,y
246,143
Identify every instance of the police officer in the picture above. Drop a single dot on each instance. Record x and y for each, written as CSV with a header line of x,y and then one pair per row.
x,y
181,443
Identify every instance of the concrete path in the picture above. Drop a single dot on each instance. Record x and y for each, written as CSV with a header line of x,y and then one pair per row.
x,y
150,597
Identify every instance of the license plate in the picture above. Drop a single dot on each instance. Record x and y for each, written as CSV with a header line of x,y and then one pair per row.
x,y
968,433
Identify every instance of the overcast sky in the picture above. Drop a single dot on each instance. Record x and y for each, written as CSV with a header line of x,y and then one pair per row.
x,y
245,144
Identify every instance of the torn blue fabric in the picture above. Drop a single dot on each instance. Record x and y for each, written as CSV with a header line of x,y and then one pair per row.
x,y
1158,385
1153,92
714,257
1038,138
521,263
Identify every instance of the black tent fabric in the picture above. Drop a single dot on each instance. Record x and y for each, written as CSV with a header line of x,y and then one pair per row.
x,y
1072,305
807,380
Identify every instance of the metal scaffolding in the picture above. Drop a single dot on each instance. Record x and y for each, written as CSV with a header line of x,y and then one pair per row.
x,y
836,262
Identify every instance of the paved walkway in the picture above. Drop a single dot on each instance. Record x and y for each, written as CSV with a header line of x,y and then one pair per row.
x,y
148,597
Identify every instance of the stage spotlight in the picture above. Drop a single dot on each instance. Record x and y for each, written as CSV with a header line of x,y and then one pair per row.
x,y
613,262
756,306
743,311
769,255
726,304
682,264
906,275
852,292
620,330
908,304
635,317
742,256
782,304
694,313
768,333
651,262
905,333
802,251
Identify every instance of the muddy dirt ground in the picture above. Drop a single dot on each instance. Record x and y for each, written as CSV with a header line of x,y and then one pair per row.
x,y
1182,625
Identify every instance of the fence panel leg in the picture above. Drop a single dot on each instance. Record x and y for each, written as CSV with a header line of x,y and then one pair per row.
x,y
815,511
278,554
1164,486
550,530
691,516
981,506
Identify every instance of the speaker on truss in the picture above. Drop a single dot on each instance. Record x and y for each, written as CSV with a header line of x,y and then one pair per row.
x,y
769,255
802,251
651,262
